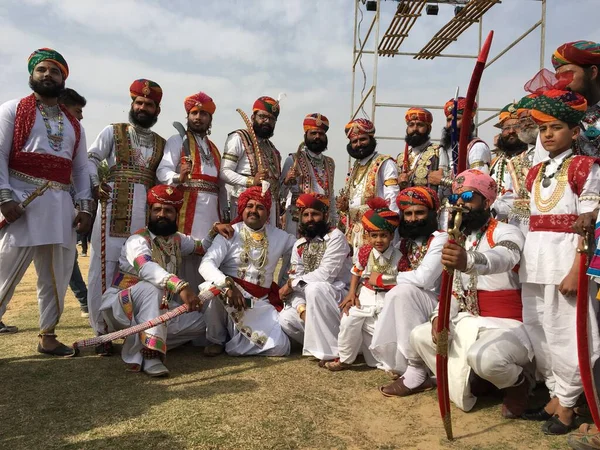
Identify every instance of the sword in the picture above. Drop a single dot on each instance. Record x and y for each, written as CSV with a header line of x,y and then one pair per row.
x,y
186,143
35,194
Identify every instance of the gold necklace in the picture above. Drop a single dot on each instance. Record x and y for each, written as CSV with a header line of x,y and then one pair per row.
x,y
546,205
359,174
313,254
385,268
253,240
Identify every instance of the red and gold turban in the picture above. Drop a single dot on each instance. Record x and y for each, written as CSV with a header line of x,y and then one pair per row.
x,y
313,201
266,104
478,181
380,217
200,102
580,53
420,114
462,102
165,195
358,127
567,106
316,121
418,195
47,54
147,89
510,111
252,193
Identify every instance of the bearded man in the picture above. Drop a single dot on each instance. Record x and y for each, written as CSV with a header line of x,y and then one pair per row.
x,y
132,152
319,279
373,175
41,144
243,268
244,165
423,156
196,175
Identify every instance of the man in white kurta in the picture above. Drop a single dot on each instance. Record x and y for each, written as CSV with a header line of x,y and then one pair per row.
x,y
244,165
319,278
147,285
194,166
486,329
132,152
373,175
246,322
413,299
41,144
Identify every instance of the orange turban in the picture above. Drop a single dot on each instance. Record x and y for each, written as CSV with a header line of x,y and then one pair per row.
x,y
201,102
420,114
316,121
418,195
357,127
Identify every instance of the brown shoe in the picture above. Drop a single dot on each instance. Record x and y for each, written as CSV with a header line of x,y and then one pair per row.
x,y
515,399
213,350
398,389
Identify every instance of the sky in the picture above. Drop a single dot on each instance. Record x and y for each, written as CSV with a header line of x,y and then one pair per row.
x,y
239,50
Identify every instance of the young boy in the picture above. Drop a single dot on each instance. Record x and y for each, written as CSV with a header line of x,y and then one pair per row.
x,y
562,187
377,267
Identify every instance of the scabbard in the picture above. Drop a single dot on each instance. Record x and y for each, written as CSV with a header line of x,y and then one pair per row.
x,y
441,359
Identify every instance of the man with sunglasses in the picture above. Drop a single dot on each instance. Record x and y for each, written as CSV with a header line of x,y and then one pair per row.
x,y
489,347
244,166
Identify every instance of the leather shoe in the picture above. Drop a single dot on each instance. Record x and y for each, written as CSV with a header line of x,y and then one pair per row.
x,y
213,350
538,414
398,389
554,426
515,399
155,369
61,350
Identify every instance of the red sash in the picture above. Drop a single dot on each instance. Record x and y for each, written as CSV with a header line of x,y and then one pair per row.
x,y
258,291
502,304
42,165
559,223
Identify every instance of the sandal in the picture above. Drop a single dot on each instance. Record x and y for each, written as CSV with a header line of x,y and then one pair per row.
x,y
586,438
7,329
336,365
554,426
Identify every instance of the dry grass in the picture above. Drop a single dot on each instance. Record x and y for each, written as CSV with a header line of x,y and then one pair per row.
x,y
226,403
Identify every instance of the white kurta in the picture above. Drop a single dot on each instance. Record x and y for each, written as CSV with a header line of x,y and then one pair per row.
x,y
479,157
256,330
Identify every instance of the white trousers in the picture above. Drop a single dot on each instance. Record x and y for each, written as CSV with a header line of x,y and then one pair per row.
x,y
549,318
94,287
53,265
405,307
140,303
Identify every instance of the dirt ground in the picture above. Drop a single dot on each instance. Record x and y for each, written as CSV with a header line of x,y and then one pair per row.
x,y
90,402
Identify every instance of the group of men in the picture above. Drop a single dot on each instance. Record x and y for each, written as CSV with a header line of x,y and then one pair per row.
x,y
178,221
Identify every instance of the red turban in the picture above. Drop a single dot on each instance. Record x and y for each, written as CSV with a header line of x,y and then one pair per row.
x,y
462,102
358,127
568,106
201,102
418,195
147,89
166,195
252,193
316,121
580,53
420,114
380,217
313,201
266,104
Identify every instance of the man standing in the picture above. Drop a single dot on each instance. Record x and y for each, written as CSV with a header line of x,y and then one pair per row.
x,y
318,282
243,267
373,175
132,152
423,156
41,143
195,170
244,165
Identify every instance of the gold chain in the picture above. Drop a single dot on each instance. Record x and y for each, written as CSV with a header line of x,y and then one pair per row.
x,y
546,205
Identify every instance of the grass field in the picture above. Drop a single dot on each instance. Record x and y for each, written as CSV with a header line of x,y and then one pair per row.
x,y
220,403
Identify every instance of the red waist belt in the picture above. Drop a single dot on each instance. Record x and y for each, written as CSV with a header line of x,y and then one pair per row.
x,y
258,291
559,223
502,304
42,165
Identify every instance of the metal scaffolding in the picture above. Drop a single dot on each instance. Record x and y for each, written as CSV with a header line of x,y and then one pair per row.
x,y
467,13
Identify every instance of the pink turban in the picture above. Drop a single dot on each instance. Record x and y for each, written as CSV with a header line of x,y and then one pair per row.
x,y
477,181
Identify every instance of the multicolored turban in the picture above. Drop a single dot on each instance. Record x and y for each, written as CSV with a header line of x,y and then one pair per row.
x,y
380,217
266,104
313,201
567,106
200,102
525,103
476,180
47,54
420,114
252,193
358,127
580,53
147,89
462,102
508,112
418,195
165,195
316,121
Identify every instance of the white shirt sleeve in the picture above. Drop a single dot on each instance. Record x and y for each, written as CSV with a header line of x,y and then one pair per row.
x,y
588,199
505,255
389,171
139,256
480,157
332,263
429,271
168,169
81,174
100,149
234,148
211,261
7,126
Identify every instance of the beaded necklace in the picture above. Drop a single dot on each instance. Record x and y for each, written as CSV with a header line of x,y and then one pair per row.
x,y
412,254
320,172
546,205
206,158
55,140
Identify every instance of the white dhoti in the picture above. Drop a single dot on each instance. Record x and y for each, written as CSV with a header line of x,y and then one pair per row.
x,y
140,303
405,307
549,318
322,320
53,265
290,320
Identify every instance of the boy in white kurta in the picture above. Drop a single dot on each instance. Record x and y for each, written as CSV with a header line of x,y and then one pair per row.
x,y
562,187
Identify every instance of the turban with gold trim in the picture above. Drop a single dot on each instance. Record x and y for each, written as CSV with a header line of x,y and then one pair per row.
x,y
567,106
201,102
580,53
358,127
316,121
147,89
380,217
266,104
47,54
418,195
165,195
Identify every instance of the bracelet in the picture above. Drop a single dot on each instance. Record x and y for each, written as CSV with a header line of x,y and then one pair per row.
x,y
95,180
301,309
446,182
249,182
85,205
181,286
5,196
213,231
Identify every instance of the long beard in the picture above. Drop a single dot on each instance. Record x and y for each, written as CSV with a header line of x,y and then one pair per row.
x,y
418,228
363,151
316,146
474,220
162,227
512,148
142,119
416,139
529,135
49,90
311,230
264,131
